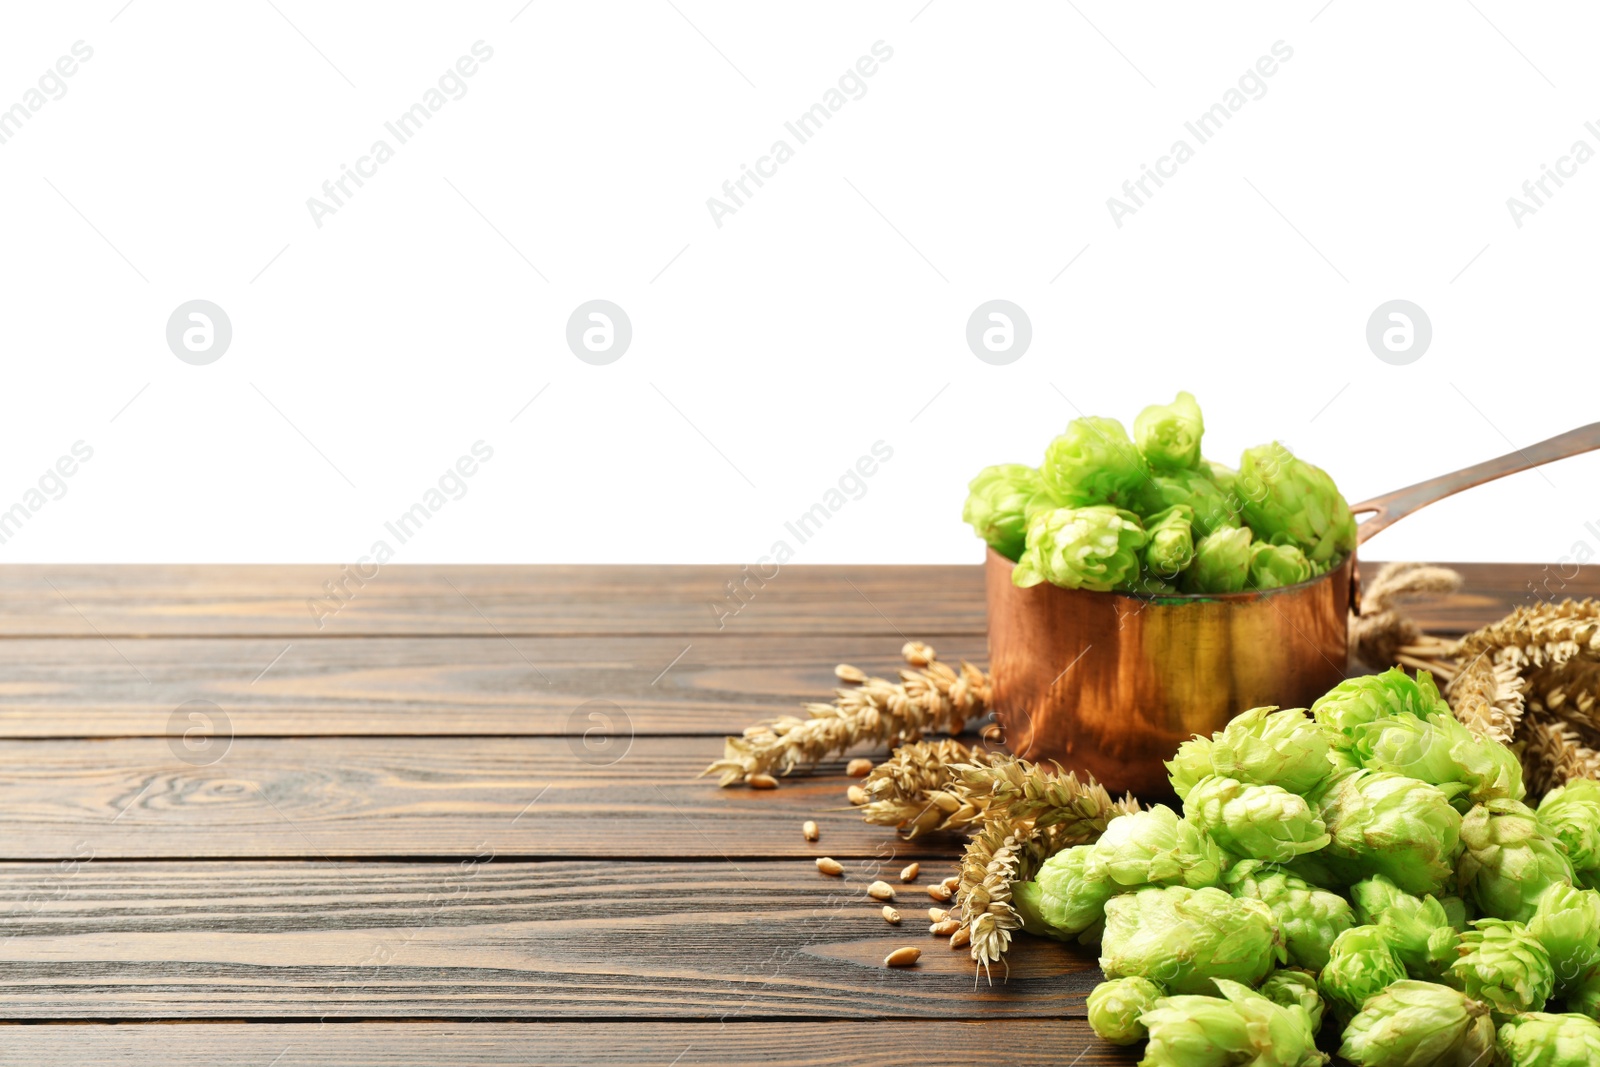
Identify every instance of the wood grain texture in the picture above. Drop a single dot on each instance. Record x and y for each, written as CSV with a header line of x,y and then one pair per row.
x,y
1023,1043
224,600
923,602
710,684
726,941
419,796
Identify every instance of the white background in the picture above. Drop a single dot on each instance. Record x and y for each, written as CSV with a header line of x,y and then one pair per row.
x,y
826,314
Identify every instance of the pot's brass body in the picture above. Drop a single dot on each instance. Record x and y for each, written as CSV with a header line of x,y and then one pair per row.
x,y
1111,684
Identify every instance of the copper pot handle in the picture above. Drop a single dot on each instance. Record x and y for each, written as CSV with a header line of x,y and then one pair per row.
x,y
1390,508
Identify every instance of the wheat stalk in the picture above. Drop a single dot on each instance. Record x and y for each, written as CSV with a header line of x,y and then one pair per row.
x,y
931,696
1030,815
917,789
1553,754
1487,695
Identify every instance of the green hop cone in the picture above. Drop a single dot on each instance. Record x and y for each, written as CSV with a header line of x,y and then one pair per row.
x,y
1360,964
1196,1031
1221,563
1171,541
1539,1039
1288,501
1572,813
1295,989
1566,922
1275,566
1154,847
1509,860
1081,548
1455,910
1065,898
1213,505
1503,965
1027,900
1094,462
1309,918
1183,938
999,501
1267,746
1115,1007
1400,827
1355,701
1169,434
1442,752
1419,929
1240,1027
1189,764
1262,822
1418,1024
1284,1034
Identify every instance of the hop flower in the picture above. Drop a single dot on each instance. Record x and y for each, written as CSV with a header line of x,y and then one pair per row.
x,y
1567,923
1309,918
1189,764
1289,501
1387,824
1539,1039
1442,752
1274,566
1271,747
1171,541
1221,562
1415,1023
1169,434
1264,822
1510,861
1063,899
1355,701
1572,814
1093,462
1183,938
1115,1007
1504,966
1155,847
1295,989
1240,1027
1081,548
1419,929
999,501
1214,506
1196,1031
1360,964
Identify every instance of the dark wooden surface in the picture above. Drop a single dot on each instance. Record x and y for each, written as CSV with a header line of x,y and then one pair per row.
x,y
405,849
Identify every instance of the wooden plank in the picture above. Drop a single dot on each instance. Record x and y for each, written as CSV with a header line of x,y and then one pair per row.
x,y
590,939
712,684
919,601
289,600
1023,1043
418,796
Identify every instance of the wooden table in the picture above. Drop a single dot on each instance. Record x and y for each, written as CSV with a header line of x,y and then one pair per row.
x,y
459,822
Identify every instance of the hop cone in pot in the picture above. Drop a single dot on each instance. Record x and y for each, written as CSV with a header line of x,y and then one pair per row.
x,y
1094,547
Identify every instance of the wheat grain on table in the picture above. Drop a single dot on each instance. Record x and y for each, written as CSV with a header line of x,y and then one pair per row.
x,y
458,821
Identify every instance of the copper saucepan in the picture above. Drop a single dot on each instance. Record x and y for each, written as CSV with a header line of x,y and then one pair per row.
x,y
1112,683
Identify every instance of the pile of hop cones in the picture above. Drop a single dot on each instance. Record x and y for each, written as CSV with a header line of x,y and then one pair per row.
x,y
1531,680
